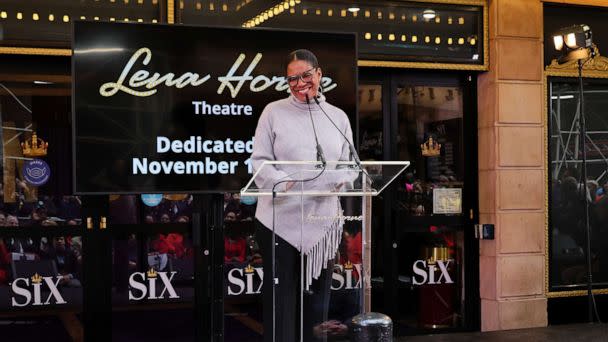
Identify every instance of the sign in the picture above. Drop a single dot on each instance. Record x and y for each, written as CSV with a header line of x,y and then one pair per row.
x,y
432,273
28,291
173,109
447,201
36,172
152,285
151,200
249,280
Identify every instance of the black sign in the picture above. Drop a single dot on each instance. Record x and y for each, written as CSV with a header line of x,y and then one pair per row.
x,y
161,109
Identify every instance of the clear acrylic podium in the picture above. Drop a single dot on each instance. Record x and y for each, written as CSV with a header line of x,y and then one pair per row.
x,y
325,213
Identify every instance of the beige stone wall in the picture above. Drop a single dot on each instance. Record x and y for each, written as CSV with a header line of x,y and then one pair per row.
x,y
511,169
512,177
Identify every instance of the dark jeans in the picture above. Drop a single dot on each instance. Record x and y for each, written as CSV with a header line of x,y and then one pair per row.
x,y
287,292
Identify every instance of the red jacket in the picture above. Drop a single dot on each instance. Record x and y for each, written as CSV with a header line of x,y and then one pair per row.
x,y
5,259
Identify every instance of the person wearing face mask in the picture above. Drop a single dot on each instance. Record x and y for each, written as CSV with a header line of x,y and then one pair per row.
x,y
288,130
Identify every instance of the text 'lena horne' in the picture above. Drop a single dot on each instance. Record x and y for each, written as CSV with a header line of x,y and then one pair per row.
x,y
143,83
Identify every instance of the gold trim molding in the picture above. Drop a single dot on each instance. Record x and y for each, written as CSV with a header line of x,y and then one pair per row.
x,y
575,293
420,65
596,67
171,11
454,2
7,50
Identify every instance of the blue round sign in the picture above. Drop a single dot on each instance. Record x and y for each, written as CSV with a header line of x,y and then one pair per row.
x,y
151,200
248,200
36,172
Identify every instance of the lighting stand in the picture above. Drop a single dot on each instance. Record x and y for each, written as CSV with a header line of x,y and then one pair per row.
x,y
583,134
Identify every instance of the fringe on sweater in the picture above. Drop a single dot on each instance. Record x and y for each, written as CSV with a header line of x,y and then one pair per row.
x,y
321,252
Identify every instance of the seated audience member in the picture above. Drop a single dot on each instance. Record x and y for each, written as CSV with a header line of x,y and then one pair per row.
x,y
12,221
49,204
235,247
230,216
351,243
69,207
183,219
149,219
5,260
184,207
44,243
66,260
76,245
247,208
234,205
227,198
72,222
165,218
124,209
37,215
21,245
133,249
49,223
171,244
254,255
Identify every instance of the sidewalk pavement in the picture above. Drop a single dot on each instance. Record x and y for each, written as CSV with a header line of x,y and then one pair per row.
x,y
557,333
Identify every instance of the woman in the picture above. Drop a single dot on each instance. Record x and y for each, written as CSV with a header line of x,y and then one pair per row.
x,y
287,130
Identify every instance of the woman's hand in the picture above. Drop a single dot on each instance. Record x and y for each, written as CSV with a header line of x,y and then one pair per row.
x,y
289,185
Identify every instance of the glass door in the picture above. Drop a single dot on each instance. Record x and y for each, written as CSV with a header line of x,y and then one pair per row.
x,y
434,205
42,247
41,278
424,255
150,268
152,262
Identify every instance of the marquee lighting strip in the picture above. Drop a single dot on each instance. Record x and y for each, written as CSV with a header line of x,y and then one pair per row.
x,y
271,12
427,39
65,18
367,13
242,4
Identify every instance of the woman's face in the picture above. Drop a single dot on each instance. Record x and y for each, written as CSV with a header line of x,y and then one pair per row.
x,y
303,79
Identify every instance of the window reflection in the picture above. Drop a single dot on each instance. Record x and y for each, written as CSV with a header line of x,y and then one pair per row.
x,y
131,209
50,261
370,122
176,208
568,191
243,270
430,136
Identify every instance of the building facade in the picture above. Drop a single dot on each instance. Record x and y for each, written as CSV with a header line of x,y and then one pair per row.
x,y
474,75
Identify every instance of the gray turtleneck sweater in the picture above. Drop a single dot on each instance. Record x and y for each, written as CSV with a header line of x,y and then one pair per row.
x,y
285,133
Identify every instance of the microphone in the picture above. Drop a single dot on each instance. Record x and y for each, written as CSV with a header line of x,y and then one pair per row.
x,y
320,155
351,147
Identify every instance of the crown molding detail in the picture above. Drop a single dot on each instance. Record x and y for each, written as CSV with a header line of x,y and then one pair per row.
x,y
594,67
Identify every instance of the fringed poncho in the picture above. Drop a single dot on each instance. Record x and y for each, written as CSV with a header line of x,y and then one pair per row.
x,y
285,133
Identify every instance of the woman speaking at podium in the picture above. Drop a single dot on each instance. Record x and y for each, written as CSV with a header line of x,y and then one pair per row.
x,y
298,128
